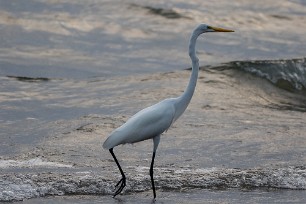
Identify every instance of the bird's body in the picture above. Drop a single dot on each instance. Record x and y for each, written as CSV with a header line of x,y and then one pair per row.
x,y
142,125
152,121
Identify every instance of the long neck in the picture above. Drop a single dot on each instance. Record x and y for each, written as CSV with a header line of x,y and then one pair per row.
x,y
184,99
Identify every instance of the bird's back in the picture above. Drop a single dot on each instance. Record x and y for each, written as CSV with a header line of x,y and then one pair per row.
x,y
145,124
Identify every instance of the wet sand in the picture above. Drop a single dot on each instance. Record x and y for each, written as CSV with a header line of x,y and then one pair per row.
x,y
225,127
188,196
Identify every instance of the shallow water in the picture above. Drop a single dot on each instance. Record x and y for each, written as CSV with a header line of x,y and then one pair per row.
x,y
220,142
191,196
68,78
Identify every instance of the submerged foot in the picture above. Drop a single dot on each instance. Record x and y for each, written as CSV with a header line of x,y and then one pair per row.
x,y
121,185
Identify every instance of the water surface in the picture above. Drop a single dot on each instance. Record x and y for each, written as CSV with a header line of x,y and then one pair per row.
x,y
71,72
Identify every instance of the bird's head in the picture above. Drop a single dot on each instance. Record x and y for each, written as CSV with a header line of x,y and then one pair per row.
x,y
203,28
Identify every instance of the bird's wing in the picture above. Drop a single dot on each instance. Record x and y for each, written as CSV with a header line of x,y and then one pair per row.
x,y
145,124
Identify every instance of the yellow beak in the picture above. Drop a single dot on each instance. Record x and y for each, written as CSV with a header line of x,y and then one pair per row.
x,y
220,29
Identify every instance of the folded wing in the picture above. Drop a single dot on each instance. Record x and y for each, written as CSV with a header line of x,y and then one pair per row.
x,y
145,124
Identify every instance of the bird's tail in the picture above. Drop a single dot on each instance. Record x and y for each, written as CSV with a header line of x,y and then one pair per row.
x,y
113,140
108,143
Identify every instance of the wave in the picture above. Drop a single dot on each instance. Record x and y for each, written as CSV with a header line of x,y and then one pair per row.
x,y
166,13
36,162
286,74
20,186
29,79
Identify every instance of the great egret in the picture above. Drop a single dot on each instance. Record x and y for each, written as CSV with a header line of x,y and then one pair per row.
x,y
151,122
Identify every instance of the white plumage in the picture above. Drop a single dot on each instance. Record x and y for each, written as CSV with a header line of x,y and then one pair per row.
x,y
143,125
151,122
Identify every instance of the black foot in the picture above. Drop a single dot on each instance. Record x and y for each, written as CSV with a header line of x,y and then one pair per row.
x,y
121,185
153,200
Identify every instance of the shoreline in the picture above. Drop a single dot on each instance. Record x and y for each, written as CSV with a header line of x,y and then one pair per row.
x,y
221,131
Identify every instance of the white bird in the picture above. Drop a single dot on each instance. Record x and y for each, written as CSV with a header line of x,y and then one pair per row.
x,y
151,122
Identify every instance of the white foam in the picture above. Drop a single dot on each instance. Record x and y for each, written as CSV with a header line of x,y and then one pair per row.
x,y
36,162
21,186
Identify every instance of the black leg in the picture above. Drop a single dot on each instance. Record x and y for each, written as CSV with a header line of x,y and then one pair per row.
x,y
122,181
151,174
